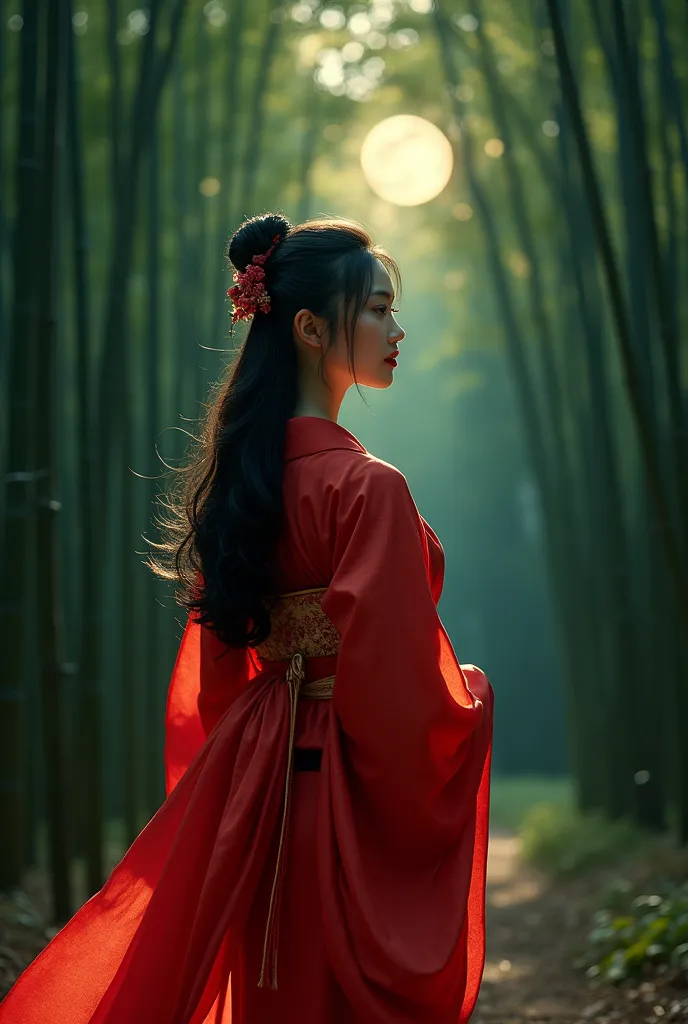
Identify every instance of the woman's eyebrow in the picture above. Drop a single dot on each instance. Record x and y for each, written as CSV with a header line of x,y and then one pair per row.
x,y
381,291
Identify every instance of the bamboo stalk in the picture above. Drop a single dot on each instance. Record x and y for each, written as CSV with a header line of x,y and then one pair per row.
x,y
18,545
49,605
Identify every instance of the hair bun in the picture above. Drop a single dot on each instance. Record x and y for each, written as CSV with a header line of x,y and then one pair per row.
x,y
254,237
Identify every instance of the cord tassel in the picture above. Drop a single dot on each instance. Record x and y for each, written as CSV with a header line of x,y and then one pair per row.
x,y
295,674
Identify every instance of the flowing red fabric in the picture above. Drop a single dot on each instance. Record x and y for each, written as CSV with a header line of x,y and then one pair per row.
x,y
386,864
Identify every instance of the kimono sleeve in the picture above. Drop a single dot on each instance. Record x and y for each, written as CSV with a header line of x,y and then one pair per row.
x,y
403,852
402,699
206,678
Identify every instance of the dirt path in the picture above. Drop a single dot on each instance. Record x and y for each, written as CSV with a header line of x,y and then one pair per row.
x,y
534,932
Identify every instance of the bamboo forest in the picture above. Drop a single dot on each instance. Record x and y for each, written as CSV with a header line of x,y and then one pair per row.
x,y
526,163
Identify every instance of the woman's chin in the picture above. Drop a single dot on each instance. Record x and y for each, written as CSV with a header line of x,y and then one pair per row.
x,y
379,380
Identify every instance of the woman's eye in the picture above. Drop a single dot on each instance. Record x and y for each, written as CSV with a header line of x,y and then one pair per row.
x,y
383,309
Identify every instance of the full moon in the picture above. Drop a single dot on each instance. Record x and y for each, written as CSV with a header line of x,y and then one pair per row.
x,y
406,160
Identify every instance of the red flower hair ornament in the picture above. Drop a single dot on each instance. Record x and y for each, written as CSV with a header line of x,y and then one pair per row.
x,y
249,294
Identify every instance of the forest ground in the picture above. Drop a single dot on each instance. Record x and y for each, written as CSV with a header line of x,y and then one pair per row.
x,y
535,929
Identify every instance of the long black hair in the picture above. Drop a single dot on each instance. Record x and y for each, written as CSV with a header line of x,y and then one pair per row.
x,y
223,513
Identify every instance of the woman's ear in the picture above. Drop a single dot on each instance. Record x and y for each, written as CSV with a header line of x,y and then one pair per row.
x,y
309,328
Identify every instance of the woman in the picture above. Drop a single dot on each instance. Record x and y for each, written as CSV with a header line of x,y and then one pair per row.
x,y
327,758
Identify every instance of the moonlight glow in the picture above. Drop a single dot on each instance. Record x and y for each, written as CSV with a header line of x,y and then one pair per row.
x,y
406,160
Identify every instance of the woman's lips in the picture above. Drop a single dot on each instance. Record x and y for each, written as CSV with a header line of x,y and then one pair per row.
x,y
392,361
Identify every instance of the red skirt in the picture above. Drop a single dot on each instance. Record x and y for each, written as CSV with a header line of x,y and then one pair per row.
x,y
400,930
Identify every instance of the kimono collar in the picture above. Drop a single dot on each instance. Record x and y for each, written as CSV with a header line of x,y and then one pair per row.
x,y
307,435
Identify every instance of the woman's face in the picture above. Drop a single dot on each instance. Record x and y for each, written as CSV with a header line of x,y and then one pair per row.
x,y
376,338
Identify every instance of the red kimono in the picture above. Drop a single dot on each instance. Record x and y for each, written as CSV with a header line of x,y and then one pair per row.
x,y
381,917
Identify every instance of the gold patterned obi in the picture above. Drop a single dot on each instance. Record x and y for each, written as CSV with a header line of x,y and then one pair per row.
x,y
300,630
300,625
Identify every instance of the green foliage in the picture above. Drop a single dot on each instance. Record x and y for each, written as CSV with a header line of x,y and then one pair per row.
x,y
562,841
639,934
